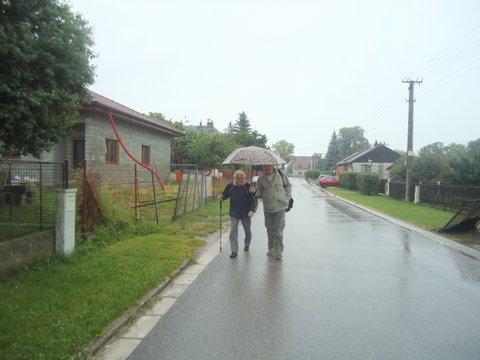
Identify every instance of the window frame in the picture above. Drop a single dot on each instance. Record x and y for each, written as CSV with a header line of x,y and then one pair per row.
x,y
149,152
107,147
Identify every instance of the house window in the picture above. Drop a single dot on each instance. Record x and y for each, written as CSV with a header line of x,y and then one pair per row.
x,y
111,156
146,154
366,168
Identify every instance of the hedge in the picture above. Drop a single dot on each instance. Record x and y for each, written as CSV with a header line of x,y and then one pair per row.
x,y
368,183
349,180
312,174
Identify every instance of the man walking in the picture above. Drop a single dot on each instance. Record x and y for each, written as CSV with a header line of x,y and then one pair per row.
x,y
275,189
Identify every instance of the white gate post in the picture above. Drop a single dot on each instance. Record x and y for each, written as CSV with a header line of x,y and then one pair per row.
x,y
65,224
417,194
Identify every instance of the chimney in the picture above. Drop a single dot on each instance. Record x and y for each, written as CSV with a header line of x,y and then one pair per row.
x,y
209,123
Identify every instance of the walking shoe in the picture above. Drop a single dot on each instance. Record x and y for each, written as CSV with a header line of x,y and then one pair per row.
x,y
271,252
233,255
246,248
278,255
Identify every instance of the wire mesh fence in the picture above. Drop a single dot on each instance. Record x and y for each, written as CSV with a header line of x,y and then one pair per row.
x,y
28,196
196,187
130,192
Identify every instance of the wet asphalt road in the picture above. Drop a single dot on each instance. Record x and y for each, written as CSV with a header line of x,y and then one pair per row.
x,y
350,286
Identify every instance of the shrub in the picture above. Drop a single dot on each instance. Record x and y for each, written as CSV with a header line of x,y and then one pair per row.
x,y
368,184
349,180
312,174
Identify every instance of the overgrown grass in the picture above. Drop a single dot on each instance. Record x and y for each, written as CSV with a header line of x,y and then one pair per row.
x,y
53,309
424,216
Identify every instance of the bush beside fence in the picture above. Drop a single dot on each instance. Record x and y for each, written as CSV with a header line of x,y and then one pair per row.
x,y
368,183
349,180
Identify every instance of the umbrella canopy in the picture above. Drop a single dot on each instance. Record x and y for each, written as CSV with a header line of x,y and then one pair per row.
x,y
253,155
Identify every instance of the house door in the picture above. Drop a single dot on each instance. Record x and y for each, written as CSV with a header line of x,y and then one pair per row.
x,y
78,152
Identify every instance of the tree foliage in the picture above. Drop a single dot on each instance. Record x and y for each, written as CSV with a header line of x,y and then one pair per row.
x,y
242,124
451,164
333,152
284,149
207,149
44,73
351,140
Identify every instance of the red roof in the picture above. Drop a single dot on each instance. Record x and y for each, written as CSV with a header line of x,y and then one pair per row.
x,y
104,103
302,162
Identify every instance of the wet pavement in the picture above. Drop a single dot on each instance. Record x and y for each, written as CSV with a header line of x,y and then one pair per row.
x,y
350,286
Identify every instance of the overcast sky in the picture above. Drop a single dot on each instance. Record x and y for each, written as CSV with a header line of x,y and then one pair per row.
x,y
299,69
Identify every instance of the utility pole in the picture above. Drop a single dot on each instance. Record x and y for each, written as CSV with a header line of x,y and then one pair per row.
x,y
409,159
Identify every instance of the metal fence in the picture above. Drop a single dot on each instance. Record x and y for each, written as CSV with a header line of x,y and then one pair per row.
x,y
28,196
123,192
195,188
396,190
448,196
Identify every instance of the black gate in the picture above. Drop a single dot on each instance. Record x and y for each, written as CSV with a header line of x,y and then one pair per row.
x,y
28,196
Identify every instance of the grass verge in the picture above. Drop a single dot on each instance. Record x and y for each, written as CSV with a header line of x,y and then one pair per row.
x,y
424,216
53,309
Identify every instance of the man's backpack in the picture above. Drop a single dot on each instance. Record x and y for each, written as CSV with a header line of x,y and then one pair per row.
x,y
290,201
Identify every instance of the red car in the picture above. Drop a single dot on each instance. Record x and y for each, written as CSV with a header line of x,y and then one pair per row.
x,y
329,181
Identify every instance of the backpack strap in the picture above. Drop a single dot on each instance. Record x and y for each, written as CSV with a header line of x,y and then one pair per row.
x,y
283,175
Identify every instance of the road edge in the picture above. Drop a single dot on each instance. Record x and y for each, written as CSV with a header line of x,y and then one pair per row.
x,y
425,233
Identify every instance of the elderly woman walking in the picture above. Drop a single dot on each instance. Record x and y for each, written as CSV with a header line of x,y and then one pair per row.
x,y
242,207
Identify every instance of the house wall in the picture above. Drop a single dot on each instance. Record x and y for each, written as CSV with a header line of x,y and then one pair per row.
x,y
377,168
98,128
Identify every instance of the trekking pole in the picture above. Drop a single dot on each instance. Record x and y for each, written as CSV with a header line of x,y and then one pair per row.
x,y
221,230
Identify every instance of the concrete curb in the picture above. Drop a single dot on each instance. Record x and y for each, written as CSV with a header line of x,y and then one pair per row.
x,y
130,315
427,234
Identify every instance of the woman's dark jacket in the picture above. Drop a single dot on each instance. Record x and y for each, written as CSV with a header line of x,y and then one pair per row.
x,y
242,201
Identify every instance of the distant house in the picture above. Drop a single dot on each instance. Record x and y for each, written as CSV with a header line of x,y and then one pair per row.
x,y
93,138
204,128
377,159
300,164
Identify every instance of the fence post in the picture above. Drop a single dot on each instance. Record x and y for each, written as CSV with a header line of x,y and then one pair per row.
x,y
65,224
195,190
186,195
154,197
85,210
417,194
41,196
177,200
65,174
387,188
136,193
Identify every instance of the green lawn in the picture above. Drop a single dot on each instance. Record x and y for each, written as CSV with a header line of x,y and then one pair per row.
x,y
424,216
55,308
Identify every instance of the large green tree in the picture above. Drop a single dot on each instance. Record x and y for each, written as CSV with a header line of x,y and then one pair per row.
x,y
45,68
351,140
208,150
284,149
473,148
333,152
243,123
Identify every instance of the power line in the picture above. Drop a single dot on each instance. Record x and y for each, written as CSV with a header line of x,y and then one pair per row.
x,y
444,52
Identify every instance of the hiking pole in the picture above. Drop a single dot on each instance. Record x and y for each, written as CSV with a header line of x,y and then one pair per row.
x,y
221,230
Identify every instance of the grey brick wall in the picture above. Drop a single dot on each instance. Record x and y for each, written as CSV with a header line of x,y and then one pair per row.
x,y
97,129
